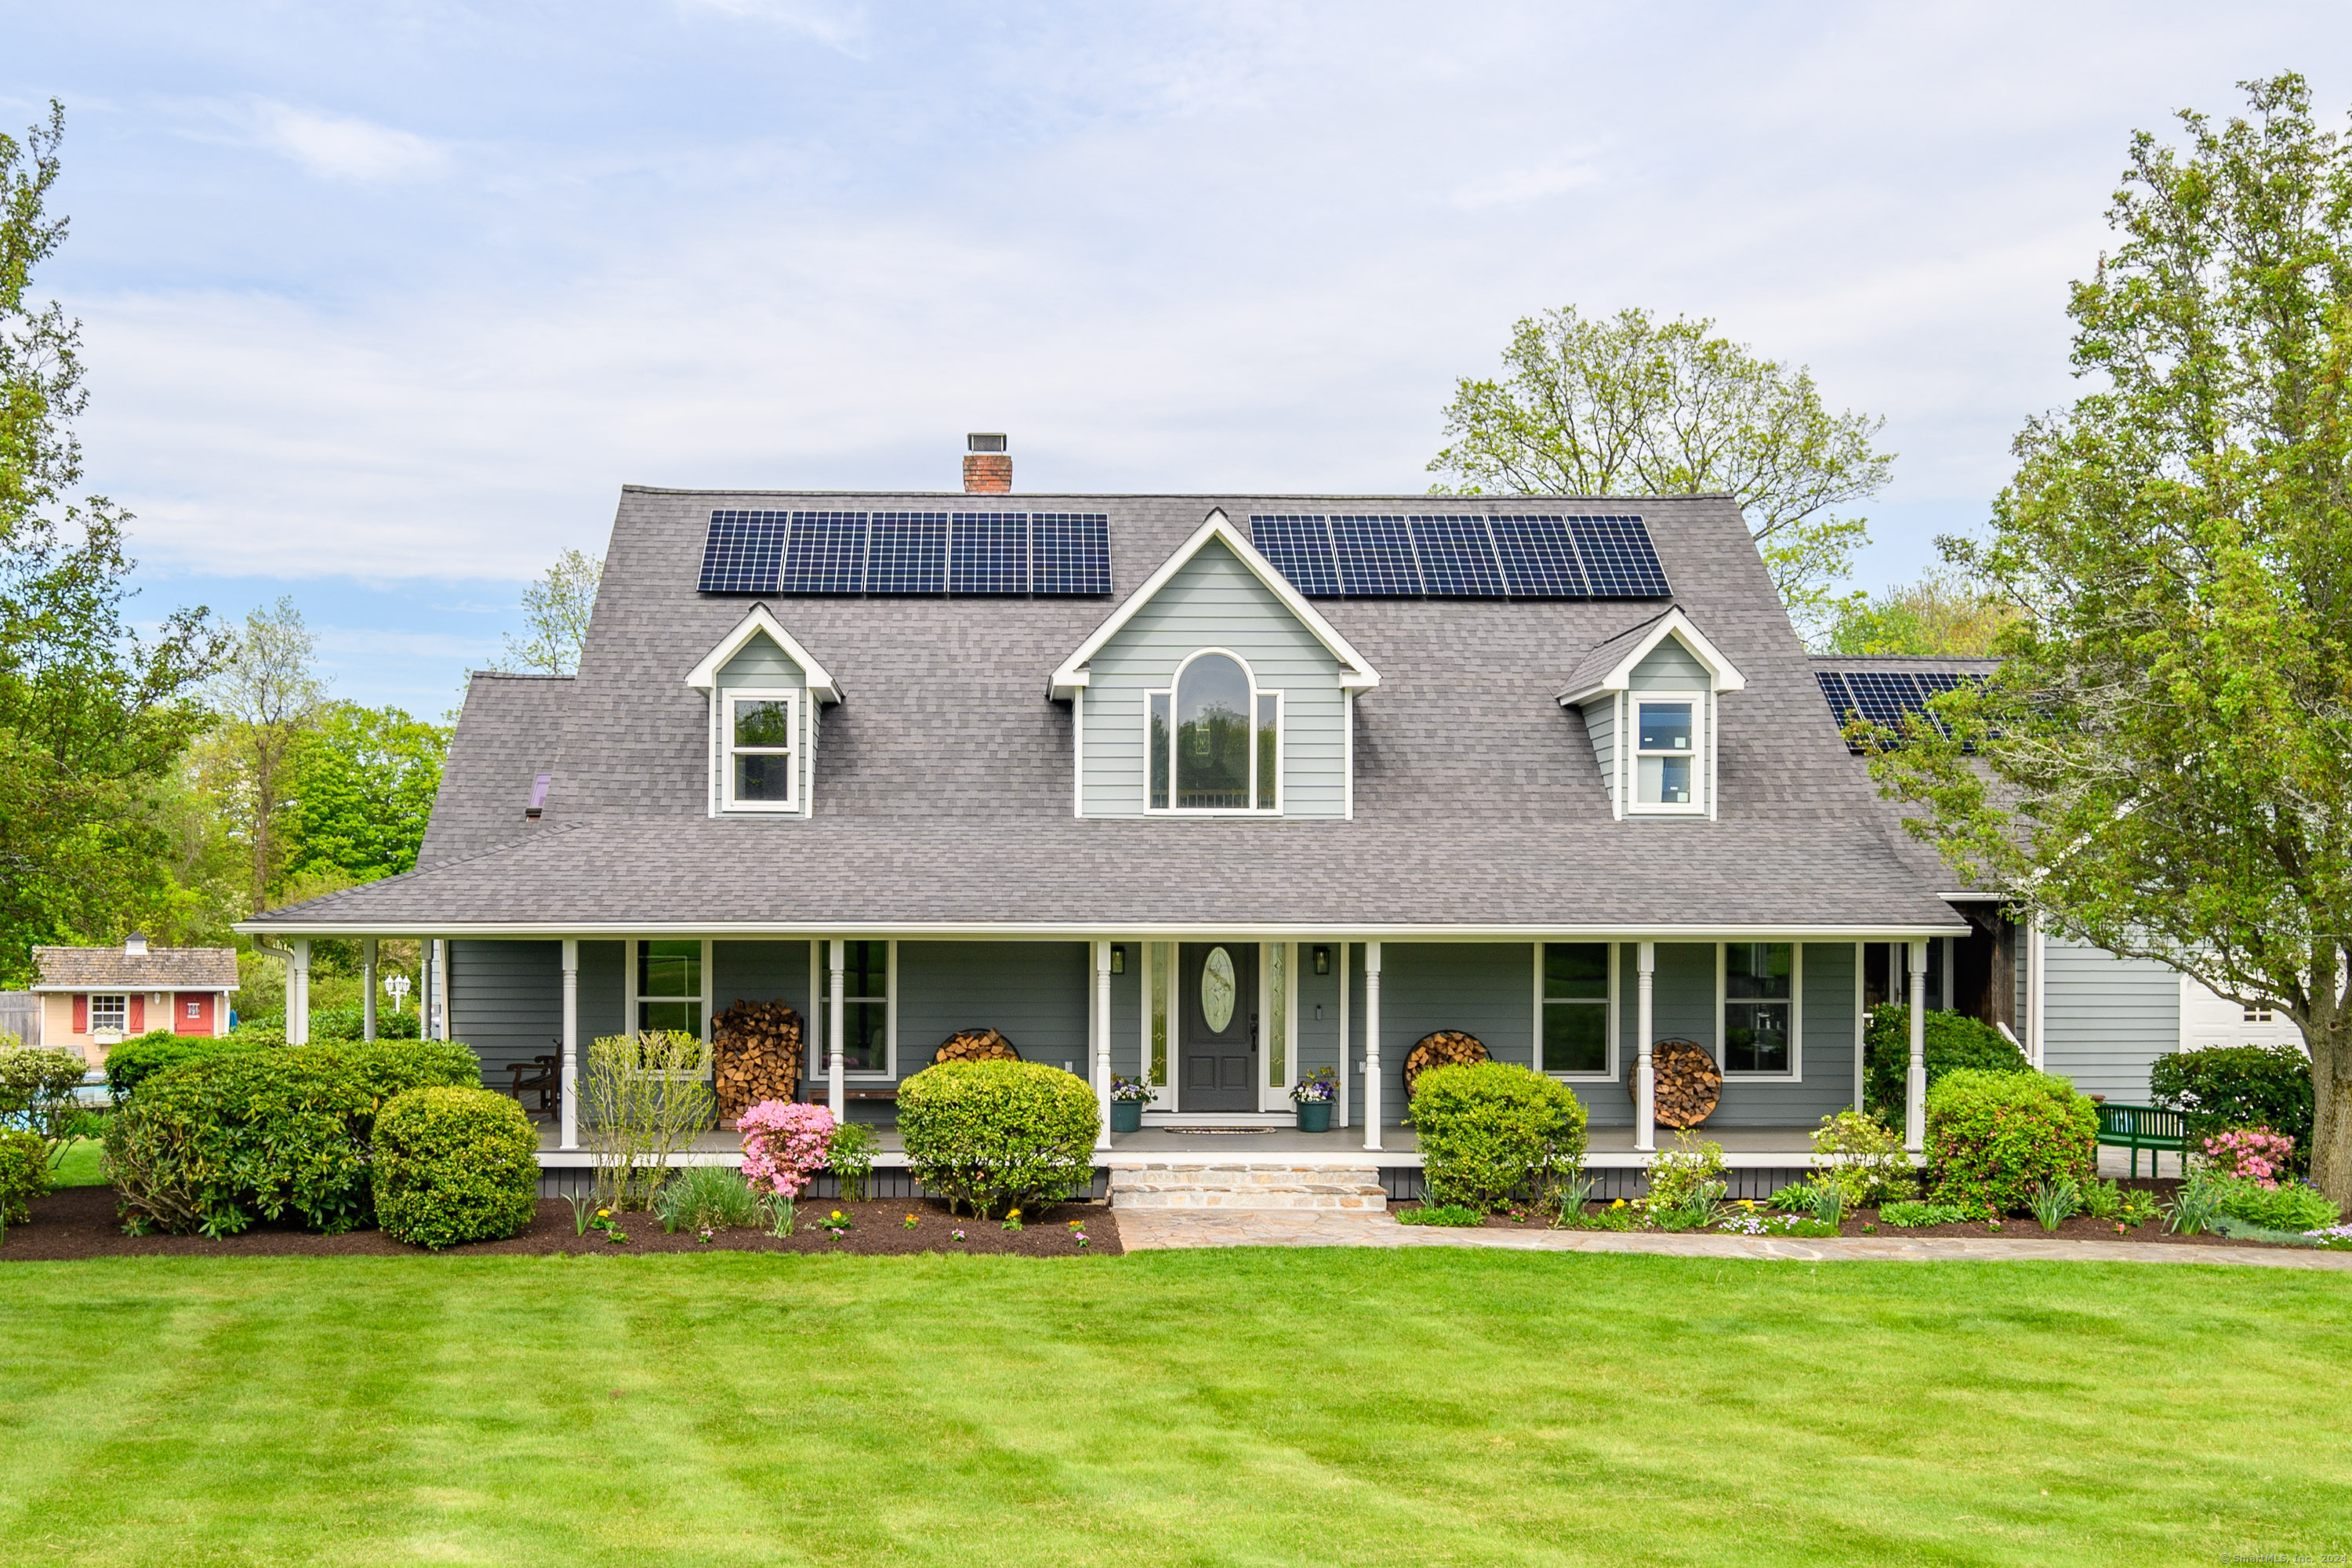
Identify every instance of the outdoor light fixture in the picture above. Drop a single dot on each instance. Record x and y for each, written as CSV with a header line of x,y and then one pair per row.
x,y
1119,958
1322,960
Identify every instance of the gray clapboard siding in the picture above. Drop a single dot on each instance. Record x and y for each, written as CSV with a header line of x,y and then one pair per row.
x,y
603,996
760,663
1213,601
1035,991
1601,723
1317,1044
505,1000
761,972
1827,1046
2105,1019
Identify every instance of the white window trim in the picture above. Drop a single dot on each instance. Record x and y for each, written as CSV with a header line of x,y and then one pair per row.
x,y
1702,718
1796,1073
90,1012
722,721
630,998
1608,1074
1281,744
820,1031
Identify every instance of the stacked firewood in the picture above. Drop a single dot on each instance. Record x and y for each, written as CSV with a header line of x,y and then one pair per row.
x,y
755,1054
976,1045
1688,1085
1447,1047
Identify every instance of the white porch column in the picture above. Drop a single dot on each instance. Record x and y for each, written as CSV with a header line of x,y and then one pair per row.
x,y
1346,1043
1914,1091
297,992
832,1090
1645,1077
571,1086
367,988
1102,1042
1371,1044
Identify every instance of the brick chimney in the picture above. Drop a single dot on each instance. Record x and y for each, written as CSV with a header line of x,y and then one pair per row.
x,y
987,466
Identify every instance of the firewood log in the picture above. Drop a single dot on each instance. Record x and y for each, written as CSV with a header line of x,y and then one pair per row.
x,y
1447,1047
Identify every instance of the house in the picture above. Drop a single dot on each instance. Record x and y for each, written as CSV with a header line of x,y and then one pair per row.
x,y
1209,791
93,998
2096,1018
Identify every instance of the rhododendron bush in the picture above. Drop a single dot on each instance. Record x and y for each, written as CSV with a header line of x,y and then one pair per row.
x,y
785,1145
2253,1153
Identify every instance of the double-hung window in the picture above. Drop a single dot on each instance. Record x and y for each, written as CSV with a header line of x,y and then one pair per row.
x,y
1759,1004
760,733
1215,740
110,1013
670,986
1575,1008
866,978
1665,755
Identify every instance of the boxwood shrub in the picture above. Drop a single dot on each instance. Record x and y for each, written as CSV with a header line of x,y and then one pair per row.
x,y
24,1174
142,1057
1490,1133
455,1164
999,1136
2238,1086
1955,1043
1991,1136
220,1141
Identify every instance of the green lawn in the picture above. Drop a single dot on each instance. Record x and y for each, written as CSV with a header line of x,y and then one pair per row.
x,y
83,1164
1406,1407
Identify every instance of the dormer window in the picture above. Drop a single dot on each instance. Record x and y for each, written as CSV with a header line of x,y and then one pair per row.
x,y
1215,740
763,735
1664,753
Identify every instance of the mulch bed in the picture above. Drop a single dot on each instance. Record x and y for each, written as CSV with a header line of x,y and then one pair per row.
x,y
79,1222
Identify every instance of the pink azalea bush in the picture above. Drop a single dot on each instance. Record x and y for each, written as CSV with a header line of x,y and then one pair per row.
x,y
2249,1153
785,1145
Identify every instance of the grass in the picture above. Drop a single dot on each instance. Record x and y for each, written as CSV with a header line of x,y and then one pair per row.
x,y
83,1164
1245,1407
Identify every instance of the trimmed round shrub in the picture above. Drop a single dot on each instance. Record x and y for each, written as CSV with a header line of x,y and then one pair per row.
x,y
2238,1086
999,1136
1992,1136
233,1137
1955,1043
137,1059
455,1166
1490,1133
24,1174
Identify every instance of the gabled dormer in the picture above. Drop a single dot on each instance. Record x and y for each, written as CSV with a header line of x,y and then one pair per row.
x,y
1215,690
765,693
1650,696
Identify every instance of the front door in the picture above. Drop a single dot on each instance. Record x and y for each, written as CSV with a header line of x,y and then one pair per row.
x,y
1218,982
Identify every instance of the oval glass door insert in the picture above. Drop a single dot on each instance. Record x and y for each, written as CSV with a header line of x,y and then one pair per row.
x,y
1217,990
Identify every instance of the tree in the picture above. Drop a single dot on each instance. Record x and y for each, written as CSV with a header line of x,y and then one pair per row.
x,y
92,716
556,608
1592,408
2160,765
1943,613
364,779
267,693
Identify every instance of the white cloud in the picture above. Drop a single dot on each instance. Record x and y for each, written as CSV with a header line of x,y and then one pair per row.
x,y
337,147
1517,187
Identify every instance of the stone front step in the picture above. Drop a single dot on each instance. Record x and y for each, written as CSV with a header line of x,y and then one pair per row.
x,y
1263,1185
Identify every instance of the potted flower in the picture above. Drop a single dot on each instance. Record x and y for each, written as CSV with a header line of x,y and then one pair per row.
x,y
1313,1095
1127,1098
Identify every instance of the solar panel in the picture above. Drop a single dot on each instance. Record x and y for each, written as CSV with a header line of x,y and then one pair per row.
x,y
906,552
1301,549
1619,563
1834,692
741,551
1457,559
1883,698
825,553
1375,556
1069,552
988,553
1538,558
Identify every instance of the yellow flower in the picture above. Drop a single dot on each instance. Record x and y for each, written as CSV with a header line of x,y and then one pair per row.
x,y
1014,1213
1618,1204
603,1214
837,1213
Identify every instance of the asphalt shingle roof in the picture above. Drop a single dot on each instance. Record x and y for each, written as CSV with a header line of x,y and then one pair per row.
x,y
943,788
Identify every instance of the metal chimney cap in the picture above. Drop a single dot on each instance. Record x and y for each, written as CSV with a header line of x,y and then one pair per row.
x,y
985,441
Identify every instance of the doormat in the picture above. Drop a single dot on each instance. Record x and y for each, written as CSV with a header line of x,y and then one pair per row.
x,y
1224,1131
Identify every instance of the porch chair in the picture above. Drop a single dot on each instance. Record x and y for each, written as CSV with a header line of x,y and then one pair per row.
x,y
2148,1127
541,1075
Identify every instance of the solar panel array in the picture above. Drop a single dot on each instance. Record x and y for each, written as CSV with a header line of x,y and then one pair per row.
x,y
1463,555
1881,698
906,552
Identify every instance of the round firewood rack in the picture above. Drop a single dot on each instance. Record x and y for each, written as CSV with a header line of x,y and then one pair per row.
x,y
975,1046
1445,1048
1687,1084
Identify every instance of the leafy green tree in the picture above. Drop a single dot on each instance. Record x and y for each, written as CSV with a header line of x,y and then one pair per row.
x,y
1943,613
556,610
363,782
92,716
2160,766
1632,404
267,694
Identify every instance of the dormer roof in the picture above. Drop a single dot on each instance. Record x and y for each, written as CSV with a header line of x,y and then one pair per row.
x,y
1608,667
704,675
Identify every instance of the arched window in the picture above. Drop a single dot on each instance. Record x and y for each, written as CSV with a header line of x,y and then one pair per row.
x,y
1216,739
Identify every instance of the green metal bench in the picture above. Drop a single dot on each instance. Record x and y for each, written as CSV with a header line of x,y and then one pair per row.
x,y
2139,1127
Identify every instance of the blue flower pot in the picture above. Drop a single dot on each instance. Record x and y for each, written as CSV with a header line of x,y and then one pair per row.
x,y
1314,1115
1127,1116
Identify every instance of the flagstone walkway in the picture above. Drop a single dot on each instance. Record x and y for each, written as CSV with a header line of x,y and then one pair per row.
x,y
1143,1229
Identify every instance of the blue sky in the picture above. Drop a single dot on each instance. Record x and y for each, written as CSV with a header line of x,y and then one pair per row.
x,y
383,303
